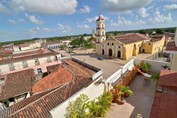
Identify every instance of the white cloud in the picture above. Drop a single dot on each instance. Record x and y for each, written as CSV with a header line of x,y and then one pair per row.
x,y
86,9
83,26
20,20
12,21
159,18
3,9
64,28
125,22
48,29
47,7
93,19
143,12
33,19
123,5
171,7
35,30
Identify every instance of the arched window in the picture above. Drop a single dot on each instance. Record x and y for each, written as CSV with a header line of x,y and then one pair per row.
x,y
108,43
102,33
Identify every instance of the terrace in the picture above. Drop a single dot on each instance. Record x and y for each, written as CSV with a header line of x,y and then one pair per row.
x,y
138,105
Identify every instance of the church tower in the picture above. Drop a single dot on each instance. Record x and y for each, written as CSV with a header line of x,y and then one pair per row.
x,y
100,30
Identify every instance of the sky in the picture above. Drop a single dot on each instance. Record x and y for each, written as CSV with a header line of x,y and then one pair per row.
x,y
26,19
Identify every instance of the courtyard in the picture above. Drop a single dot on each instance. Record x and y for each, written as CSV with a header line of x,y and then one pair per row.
x,y
138,105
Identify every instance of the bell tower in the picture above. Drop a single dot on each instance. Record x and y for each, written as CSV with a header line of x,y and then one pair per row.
x,y
100,29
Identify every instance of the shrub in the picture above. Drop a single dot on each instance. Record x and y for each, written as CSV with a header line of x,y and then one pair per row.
x,y
155,76
145,67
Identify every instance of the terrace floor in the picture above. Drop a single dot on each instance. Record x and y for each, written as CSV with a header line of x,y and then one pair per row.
x,y
138,105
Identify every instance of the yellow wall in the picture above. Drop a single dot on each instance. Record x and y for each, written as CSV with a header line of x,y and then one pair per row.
x,y
174,62
154,47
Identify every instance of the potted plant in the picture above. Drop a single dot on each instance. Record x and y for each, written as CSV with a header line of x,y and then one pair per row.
x,y
155,76
125,91
145,67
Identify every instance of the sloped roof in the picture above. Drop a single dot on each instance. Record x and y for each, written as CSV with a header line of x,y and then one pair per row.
x,y
131,38
39,105
164,106
59,77
168,78
156,38
17,83
171,46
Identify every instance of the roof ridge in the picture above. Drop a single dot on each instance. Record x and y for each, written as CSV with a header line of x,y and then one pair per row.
x,y
39,99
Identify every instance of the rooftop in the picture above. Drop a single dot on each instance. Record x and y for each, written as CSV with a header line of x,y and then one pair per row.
x,y
131,37
156,38
168,78
59,77
164,106
16,84
171,47
40,104
21,58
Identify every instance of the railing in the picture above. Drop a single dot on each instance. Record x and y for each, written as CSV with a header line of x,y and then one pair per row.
x,y
114,77
128,66
97,75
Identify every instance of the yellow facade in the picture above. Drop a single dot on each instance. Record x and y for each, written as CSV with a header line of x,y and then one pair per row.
x,y
174,62
151,47
117,49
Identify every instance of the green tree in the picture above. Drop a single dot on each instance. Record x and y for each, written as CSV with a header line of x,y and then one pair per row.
x,y
78,108
142,32
159,31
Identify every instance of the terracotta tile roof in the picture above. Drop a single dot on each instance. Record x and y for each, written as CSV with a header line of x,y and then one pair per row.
x,y
29,53
156,38
24,45
52,68
28,57
38,106
59,77
171,46
168,78
164,106
5,52
17,83
132,37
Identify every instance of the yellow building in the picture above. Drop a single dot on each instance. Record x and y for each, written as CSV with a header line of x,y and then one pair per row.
x,y
155,44
172,49
125,46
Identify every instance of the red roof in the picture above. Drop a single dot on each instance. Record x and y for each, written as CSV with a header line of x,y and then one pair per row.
x,y
168,78
171,46
131,37
59,77
39,105
164,106
17,83
100,18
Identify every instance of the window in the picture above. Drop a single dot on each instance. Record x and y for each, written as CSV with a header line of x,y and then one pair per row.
x,y
119,46
108,43
25,64
11,67
39,70
112,43
149,43
37,62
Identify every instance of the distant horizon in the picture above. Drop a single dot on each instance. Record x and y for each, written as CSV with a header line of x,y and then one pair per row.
x,y
35,18
84,33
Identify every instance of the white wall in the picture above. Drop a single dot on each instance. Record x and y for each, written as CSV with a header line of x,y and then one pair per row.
x,y
31,63
156,66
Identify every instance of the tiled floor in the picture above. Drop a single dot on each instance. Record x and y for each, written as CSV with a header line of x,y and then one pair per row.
x,y
138,105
